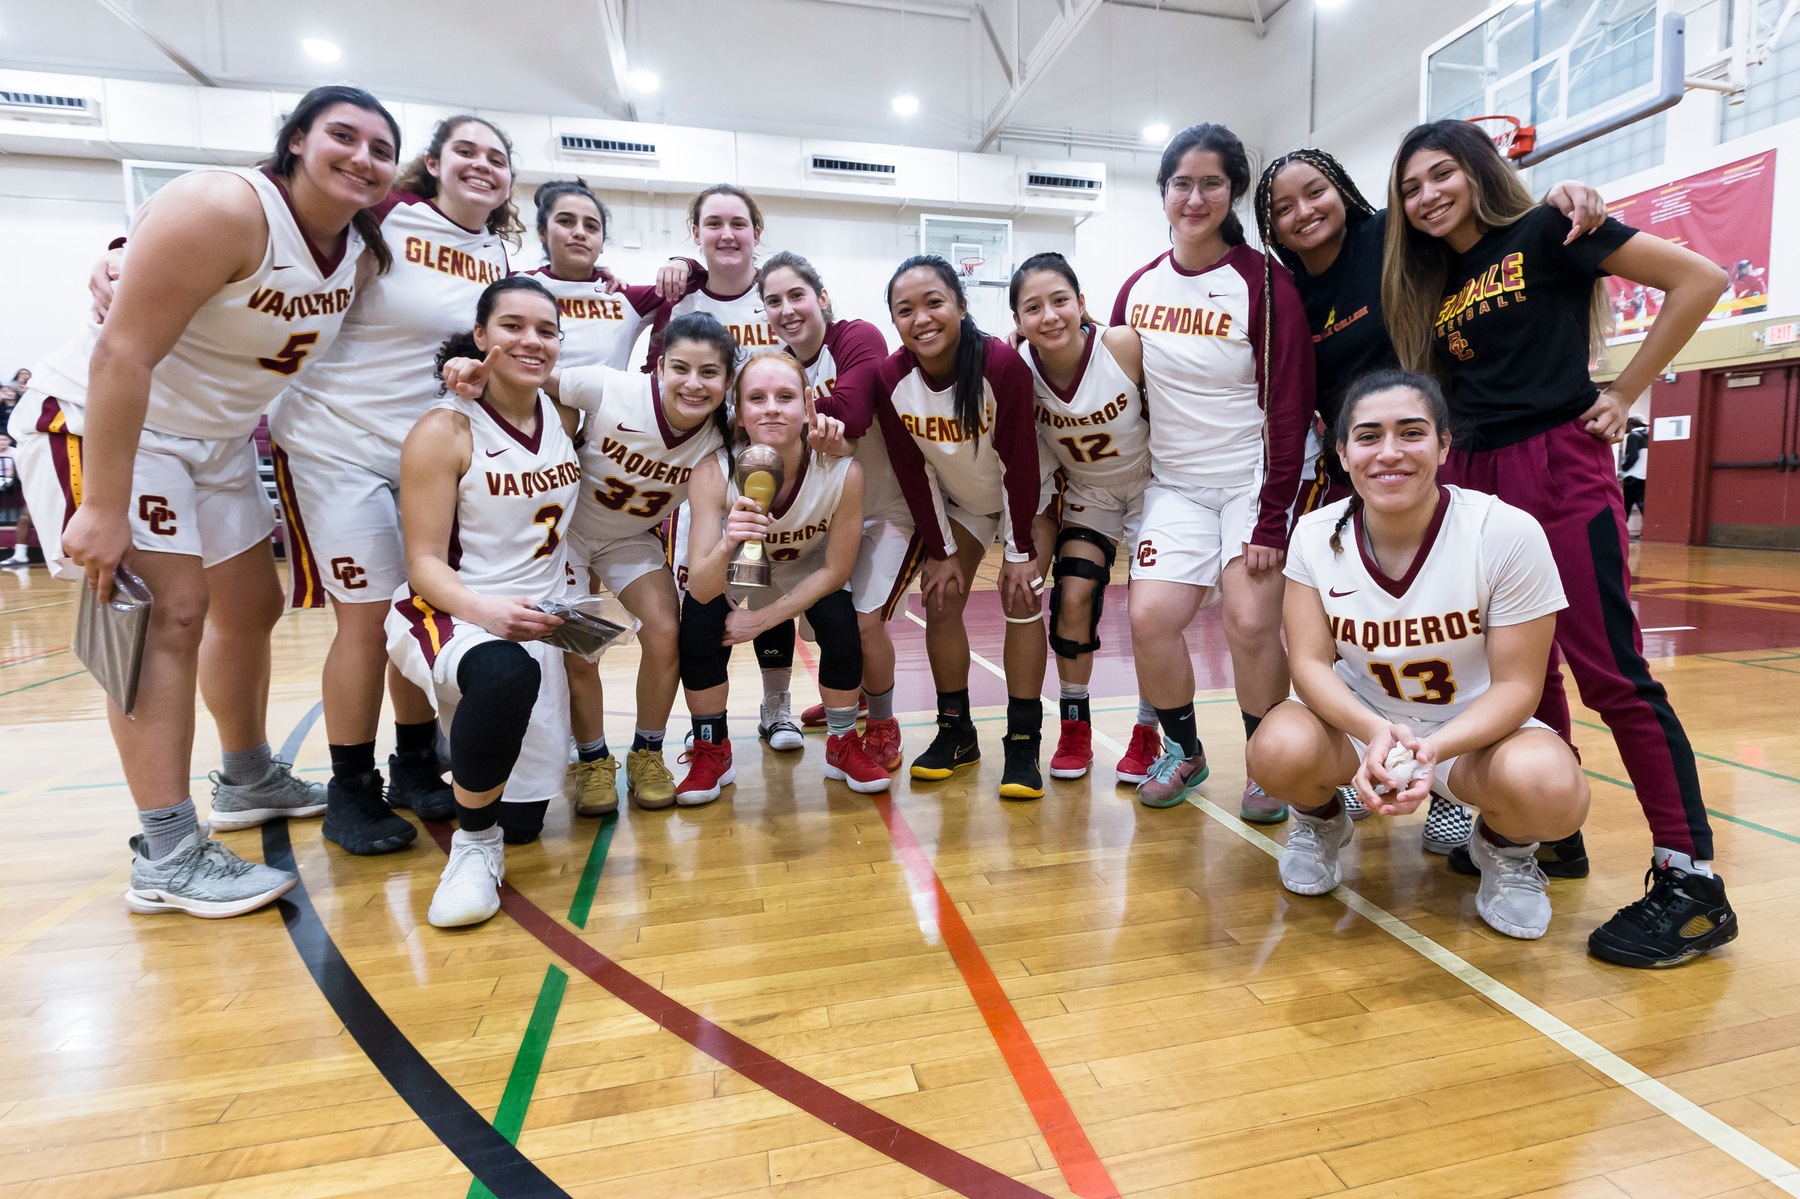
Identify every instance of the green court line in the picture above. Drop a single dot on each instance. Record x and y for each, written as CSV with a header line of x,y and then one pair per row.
x,y
1774,774
1758,663
42,683
1726,816
509,1120
590,873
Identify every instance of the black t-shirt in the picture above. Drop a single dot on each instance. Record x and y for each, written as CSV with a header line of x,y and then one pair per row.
x,y
1343,310
1512,331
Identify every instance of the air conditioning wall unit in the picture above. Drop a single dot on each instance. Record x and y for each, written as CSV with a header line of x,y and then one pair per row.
x,y
1062,184
868,170
588,145
49,106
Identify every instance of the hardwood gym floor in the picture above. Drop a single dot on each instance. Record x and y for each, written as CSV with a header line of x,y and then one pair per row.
x,y
800,992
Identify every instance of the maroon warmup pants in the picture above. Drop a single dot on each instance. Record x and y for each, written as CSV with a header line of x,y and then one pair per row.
x,y
1566,479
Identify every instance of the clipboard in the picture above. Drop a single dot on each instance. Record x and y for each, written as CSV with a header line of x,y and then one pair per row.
x,y
109,636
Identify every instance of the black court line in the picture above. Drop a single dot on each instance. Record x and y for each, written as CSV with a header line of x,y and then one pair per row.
x,y
490,1157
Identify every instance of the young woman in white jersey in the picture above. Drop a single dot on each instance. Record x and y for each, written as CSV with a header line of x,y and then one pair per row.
x,y
810,534
1228,374
237,279
488,485
643,436
599,326
956,412
336,437
1093,432
840,358
1419,620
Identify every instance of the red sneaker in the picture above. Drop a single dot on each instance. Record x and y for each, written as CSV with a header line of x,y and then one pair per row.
x,y
845,759
883,743
711,769
1074,750
1140,755
814,717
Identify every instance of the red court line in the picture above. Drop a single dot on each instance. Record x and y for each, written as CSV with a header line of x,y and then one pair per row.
x,y
1075,1156
938,1162
43,653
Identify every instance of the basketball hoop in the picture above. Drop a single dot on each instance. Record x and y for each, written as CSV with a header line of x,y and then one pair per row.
x,y
970,266
1512,137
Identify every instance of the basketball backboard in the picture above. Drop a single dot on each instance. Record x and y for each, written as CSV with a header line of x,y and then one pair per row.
x,y
980,248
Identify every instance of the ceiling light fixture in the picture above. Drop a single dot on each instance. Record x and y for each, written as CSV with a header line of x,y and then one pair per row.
x,y
1330,3
906,104
641,80
1156,131
320,50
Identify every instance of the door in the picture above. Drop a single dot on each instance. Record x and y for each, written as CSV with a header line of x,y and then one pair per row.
x,y
1753,484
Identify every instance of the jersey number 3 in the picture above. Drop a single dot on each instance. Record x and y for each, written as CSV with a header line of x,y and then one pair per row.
x,y
1433,676
548,516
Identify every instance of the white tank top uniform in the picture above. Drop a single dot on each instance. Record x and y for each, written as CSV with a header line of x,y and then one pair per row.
x,y
513,508
195,476
599,327
1096,435
741,314
1414,649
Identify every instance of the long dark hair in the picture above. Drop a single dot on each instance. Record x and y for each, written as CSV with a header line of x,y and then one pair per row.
x,y
1356,208
1373,383
283,161
705,328
971,344
556,189
1230,149
503,220
461,344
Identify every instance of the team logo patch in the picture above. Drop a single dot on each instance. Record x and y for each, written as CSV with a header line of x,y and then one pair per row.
x,y
155,512
348,573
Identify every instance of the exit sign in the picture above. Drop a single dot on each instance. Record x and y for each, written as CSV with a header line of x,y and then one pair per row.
x,y
1781,335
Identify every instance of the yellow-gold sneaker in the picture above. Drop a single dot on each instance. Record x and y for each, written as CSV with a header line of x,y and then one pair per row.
x,y
648,780
594,786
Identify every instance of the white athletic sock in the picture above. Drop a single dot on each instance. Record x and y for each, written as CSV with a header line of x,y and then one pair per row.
x,y
1146,713
1681,861
776,679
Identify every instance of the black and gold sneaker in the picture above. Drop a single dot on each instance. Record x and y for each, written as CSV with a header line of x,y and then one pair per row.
x,y
1558,859
954,747
1681,916
1021,779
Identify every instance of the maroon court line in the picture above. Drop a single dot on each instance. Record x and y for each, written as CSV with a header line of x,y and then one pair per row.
x,y
914,1150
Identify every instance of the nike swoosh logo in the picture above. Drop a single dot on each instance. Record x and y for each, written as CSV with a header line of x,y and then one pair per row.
x,y
273,269
1336,594
960,754
628,429
495,453
1215,295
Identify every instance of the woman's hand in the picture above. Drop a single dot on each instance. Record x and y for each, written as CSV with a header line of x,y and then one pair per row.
x,y
1260,559
743,624
672,279
746,522
1607,418
97,542
515,618
609,280
101,280
1021,587
468,377
941,578
1585,207
1391,800
825,433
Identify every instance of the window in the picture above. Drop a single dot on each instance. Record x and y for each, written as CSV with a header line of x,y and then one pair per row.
x,y
1637,147
1772,91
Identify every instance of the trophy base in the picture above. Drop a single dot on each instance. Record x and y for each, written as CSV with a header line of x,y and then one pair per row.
x,y
750,574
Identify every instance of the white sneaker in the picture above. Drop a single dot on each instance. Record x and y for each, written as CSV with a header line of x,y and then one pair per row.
x,y
1514,897
1309,861
202,878
777,724
468,891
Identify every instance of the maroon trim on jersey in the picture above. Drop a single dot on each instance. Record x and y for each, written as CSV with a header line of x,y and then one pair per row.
x,y
1398,587
530,442
308,586
1122,305
1289,395
857,352
781,507
429,627
696,280
1067,394
327,263
670,437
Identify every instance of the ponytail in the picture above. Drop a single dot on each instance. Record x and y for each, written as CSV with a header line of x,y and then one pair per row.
x,y
1337,530
971,344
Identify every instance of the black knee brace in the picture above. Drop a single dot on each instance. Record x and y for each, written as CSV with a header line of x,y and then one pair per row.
x,y
705,658
499,683
1079,568
775,647
833,621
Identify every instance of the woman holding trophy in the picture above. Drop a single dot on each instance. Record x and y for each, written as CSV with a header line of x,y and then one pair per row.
x,y
776,524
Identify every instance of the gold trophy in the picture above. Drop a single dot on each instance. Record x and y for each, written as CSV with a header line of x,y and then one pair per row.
x,y
759,472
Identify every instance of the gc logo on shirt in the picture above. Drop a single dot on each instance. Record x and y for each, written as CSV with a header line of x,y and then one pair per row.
x,y
155,512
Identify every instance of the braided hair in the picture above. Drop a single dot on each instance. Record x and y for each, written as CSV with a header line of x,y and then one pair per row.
x,y
1356,208
1373,383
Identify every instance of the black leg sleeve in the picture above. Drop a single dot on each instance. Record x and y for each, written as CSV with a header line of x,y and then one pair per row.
x,y
833,621
499,683
705,657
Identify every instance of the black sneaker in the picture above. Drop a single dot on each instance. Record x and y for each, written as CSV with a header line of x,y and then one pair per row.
x,y
1558,859
1020,779
954,747
357,818
1681,916
415,782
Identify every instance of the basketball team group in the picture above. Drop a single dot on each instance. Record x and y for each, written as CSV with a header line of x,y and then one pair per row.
x,y
1376,444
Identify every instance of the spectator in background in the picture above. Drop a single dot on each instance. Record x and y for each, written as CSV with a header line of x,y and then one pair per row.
x,y
12,498
1634,459
9,396
21,377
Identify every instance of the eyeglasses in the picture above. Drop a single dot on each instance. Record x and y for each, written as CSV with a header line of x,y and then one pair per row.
x,y
1212,187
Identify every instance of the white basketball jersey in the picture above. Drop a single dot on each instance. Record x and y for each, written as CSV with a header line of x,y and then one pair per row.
x,y
635,466
514,504
599,327
378,376
881,493
742,314
243,346
800,527
1415,649
1095,430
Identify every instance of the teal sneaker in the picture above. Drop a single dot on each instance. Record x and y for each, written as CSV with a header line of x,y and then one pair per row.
x,y
1172,778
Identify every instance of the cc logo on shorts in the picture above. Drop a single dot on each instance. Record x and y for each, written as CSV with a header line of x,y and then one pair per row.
x,y
347,572
1146,554
155,512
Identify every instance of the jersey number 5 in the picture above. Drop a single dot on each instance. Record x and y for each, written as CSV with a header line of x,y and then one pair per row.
x,y
1089,447
1433,675
287,360
548,516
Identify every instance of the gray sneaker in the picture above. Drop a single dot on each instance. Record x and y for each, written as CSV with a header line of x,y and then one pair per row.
x,y
777,725
202,878
278,794
1309,860
1514,898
